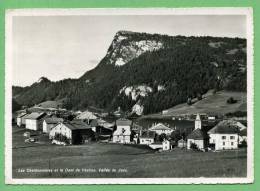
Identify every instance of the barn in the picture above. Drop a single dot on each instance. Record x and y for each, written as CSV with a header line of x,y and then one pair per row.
x,y
34,120
74,132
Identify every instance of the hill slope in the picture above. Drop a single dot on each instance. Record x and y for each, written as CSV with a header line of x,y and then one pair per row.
x,y
149,72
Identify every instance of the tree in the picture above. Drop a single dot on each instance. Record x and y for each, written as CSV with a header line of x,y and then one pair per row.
x,y
162,137
194,146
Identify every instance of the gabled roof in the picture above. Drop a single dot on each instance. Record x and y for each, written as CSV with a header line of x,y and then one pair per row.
x,y
243,132
35,115
197,134
86,115
21,115
123,122
53,120
159,126
148,134
225,127
101,123
76,125
181,141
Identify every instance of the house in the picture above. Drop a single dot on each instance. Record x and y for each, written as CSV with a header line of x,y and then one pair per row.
x,y
102,129
123,131
182,143
74,132
197,136
166,145
86,116
160,128
224,136
147,138
34,120
49,123
20,120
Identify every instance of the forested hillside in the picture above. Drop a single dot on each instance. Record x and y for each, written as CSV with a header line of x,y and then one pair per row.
x,y
155,72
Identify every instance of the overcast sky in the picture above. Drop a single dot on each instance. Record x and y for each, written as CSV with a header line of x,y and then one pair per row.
x,y
59,47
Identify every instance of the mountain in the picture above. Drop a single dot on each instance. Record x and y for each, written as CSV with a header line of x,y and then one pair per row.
x,y
148,73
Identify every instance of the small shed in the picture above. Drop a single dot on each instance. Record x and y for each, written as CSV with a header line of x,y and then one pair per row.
x,y
182,143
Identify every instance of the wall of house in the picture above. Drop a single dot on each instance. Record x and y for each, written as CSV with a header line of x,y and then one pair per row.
x,y
19,121
121,138
46,128
224,141
31,124
166,145
199,143
62,129
146,141
122,134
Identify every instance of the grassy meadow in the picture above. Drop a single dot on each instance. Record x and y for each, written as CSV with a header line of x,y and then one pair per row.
x,y
95,159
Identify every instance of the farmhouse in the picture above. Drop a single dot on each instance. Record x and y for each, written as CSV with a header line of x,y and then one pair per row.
x,y
123,131
86,116
160,129
74,132
197,136
33,121
20,120
147,138
49,123
224,136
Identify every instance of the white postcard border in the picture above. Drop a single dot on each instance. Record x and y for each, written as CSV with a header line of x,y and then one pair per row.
x,y
247,11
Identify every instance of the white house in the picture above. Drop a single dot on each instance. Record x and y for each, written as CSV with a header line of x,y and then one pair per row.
x,y
197,136
123,131
20,119
33,121
49,123
160,128
182,143
166,145
147,138
224,136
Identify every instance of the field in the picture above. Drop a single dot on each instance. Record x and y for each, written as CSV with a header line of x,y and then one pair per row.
x,y
98,160
215,104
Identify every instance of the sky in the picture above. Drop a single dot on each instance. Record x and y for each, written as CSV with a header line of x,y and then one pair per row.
x,y
59,47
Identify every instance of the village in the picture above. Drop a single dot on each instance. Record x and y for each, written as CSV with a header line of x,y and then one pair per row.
x,y
62,127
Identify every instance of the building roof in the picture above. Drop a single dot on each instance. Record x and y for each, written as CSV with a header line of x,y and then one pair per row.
x,y
198,117
148,134
159,126
197,134
53,120
224,127
86,115
76,125
101,123
35,115
21,115
243,132
181,141
123,122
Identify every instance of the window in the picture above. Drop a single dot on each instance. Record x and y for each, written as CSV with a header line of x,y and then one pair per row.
x,y
142,141
232,143
232,137
223,143
223,137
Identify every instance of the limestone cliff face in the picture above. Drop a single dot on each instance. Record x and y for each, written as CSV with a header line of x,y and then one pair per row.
x,y
128,45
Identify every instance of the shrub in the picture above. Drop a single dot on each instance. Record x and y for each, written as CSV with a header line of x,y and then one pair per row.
x,y
231,100
193,146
